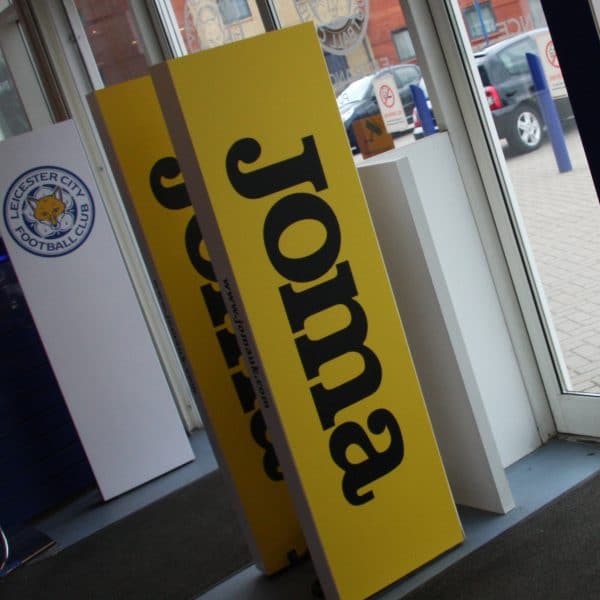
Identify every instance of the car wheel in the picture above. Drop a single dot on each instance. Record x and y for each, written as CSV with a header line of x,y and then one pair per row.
x,y
526,130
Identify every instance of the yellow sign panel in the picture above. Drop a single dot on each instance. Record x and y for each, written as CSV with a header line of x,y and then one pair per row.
x,y
137,141
263,150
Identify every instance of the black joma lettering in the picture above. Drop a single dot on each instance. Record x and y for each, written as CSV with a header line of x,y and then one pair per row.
x,y
301,302
175,197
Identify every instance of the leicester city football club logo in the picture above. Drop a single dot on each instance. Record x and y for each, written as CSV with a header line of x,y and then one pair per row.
x,y
49,211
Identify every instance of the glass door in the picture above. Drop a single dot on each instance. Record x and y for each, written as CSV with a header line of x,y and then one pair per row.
x,y
545,212
540,170
548,192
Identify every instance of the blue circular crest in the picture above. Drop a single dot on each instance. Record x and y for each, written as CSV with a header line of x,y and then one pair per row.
x,y
49,211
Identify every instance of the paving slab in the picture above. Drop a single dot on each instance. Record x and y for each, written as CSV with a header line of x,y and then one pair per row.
x,y
562,219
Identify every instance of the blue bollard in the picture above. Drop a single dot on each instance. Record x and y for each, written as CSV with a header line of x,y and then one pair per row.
x,y
549,112
423,110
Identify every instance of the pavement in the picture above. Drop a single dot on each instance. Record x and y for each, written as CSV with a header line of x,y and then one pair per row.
x,y
561,213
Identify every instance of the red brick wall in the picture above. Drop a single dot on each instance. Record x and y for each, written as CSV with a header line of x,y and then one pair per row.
x,y
385,16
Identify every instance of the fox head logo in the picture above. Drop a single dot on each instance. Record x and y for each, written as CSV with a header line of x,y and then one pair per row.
x,y
48,209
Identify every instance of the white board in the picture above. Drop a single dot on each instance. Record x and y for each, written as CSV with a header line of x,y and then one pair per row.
x,y
463,355
66,257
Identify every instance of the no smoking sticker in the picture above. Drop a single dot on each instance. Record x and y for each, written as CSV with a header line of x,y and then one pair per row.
x,y
387,96
547,53
390,103
551,55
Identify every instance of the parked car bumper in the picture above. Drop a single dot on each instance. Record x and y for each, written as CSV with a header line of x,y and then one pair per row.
x,y
504,117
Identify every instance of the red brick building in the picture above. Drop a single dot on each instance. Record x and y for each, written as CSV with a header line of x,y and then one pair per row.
x,y
486,21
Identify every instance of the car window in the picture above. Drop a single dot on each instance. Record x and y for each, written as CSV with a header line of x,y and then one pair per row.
x,y
356,91
406,76
513,58
483,72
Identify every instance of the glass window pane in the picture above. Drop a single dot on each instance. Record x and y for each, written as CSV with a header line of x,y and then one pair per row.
x,y
480,20
209,23
114,39
403,43
558,206
234,10
13,119
360,40
514,57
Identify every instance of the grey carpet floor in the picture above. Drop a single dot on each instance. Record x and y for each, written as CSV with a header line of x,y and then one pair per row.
x,y
552,555
182,545
176,548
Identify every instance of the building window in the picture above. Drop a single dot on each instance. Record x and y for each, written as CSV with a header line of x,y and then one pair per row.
x,y
480,20
114,39
514,58
206,24
404,45
234,10
537,13
13,118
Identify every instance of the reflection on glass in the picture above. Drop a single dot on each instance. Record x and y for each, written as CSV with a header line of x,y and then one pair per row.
x,y
480,19
560,210
13,119
209,23
353,44
114,40
341,24
363,41
404,46
559,206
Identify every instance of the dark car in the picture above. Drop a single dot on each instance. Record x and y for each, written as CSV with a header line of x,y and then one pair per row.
x,y
510,92
358,100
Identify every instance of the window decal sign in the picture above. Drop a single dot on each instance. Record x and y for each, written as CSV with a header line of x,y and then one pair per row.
x,y
289,233
341,24
139,148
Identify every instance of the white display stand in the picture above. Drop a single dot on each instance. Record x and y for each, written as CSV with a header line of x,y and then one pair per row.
x,y
86,310
453,320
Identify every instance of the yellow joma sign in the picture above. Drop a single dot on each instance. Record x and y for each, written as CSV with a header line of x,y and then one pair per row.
x,y
264,153
138,143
